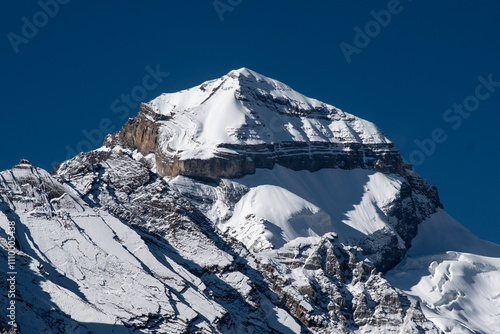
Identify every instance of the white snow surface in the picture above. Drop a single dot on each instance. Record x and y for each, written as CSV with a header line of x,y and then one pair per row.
x,y
82,258
283,205
222,111
454,274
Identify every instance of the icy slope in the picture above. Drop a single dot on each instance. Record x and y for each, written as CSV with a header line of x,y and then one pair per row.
x,y
454,274
246,108
354,204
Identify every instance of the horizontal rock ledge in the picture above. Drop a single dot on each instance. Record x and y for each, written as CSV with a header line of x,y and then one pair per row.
x,y
233,161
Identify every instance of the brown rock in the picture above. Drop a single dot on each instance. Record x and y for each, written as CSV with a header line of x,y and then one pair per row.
x,y
142,133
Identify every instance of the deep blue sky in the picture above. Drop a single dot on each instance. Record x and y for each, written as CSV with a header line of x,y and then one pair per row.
x,y
64,77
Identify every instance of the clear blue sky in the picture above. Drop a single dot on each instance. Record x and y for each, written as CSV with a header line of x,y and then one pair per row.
x,y
85,55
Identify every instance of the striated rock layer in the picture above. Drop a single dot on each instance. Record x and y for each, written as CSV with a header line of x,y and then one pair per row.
x,y
272,125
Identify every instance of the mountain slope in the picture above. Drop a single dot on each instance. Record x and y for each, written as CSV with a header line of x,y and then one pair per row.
x,y
172,129
241,206
454,275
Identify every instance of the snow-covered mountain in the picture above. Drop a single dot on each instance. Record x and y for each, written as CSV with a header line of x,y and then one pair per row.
x,y
241,206
245,121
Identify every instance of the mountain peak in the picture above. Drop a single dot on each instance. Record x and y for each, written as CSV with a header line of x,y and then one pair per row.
x,y
255,120
244,107
244,72
248,81
252,79
312,226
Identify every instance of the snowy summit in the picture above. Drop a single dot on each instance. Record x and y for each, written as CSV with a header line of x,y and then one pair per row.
x,y
243,121
246,108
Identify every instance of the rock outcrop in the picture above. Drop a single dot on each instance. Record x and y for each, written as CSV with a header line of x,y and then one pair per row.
x,y
236,160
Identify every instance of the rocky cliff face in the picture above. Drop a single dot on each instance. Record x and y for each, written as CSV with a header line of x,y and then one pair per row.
x,y
236,160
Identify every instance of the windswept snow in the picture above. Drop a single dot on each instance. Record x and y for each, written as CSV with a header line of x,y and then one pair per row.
x,y
454,274
283,205
246,108
269,216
